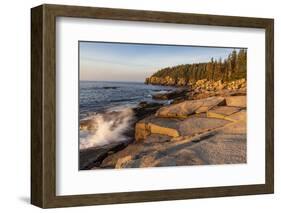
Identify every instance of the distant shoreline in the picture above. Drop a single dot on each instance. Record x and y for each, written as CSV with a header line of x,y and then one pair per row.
x,y
123,82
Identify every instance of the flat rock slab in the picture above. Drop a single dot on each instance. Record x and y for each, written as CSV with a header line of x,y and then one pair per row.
x,y
186,108
238,116
180,110
157,138
194,125
236,101
154,125
226,145
175,127
209,103
235,128
222,112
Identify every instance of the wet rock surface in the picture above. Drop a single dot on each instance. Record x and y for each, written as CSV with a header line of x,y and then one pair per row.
x,y
92,157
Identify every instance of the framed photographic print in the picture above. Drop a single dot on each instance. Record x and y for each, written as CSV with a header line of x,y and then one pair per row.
x,y
137,106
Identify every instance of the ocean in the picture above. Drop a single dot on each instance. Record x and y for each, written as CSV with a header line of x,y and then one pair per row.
x,y
97,96
108,106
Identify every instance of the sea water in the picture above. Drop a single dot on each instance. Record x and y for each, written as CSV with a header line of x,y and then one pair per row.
x,y
109,106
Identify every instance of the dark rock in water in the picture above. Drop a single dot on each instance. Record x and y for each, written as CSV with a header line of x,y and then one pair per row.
x,y
143,104
93,157
170,95
145,109
165,90
110,87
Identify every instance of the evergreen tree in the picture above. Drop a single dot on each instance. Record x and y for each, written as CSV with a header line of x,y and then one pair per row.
x,y
232,68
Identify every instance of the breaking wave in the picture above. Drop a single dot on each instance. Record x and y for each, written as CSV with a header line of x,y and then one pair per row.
x,y
109,127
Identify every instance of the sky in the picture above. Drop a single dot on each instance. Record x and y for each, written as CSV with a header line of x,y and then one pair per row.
x,y
100,61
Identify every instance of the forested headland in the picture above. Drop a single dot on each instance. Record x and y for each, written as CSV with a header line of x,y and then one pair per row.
x,y
232,68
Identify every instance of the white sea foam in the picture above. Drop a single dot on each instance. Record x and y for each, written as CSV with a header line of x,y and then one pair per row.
x,y
110,128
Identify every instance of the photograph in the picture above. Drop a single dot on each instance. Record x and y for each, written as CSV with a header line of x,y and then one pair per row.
x,y
160,105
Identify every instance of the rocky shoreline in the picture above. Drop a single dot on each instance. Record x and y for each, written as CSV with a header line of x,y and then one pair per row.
x,y
205,123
